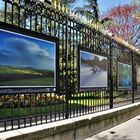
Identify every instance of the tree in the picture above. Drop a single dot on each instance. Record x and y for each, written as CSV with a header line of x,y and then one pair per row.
x,y
125,25
11,14
136,2
89,10
92,5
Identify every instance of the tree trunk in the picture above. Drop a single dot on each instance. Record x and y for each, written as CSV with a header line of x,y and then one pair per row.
x,y
95,11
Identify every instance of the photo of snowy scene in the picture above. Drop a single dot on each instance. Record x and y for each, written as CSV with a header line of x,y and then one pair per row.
x,y
93,70
124,75
138,76
26,61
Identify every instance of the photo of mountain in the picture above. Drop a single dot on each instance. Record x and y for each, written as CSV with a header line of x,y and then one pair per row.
x,y
26,61
93,70
124,75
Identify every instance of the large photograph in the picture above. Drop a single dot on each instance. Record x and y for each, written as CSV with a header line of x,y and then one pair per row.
x,y
93,70
26,61
124,75
138,76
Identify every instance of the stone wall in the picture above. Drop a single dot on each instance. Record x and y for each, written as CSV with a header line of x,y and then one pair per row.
x,y
76,128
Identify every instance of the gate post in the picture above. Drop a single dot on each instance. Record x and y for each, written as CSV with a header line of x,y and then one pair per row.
x,y
67,76
110,76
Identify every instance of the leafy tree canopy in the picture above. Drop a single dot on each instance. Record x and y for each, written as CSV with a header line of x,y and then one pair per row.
x,y
124,23
89,10
67,3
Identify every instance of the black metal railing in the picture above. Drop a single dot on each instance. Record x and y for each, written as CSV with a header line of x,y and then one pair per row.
x,y
18,110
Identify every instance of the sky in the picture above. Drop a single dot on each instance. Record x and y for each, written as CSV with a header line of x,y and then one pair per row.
x,y
23,51
106,4
103,4
90,56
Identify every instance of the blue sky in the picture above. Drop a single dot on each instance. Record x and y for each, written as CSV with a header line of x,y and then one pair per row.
x,y
23,51
106,4
90,56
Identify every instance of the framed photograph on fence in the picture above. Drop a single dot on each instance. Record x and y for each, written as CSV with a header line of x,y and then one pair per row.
x,y
93,70
124,76
138,76
27,60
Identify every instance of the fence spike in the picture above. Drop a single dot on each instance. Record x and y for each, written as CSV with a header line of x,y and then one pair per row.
x,y
55,3
63,8
59,7
66,10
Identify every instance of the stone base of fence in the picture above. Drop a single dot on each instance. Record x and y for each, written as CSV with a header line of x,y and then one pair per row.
x,y
76,128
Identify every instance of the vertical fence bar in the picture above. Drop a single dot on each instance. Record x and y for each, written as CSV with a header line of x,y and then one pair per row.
x,y
133,77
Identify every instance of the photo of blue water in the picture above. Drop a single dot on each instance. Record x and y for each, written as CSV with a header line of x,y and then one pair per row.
x,y
93,70
124,75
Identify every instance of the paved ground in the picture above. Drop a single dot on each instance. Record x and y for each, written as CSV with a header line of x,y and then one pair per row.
x,y
129,130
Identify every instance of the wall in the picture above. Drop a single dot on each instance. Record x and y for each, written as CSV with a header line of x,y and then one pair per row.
x,y
76,128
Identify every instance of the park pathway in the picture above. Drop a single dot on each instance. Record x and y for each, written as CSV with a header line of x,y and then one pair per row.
x,y
129,130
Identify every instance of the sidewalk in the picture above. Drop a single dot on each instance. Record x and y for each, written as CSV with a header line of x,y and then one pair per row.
x,y
129,130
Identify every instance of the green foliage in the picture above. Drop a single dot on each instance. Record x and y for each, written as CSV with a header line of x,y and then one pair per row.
x,y
89,10
67,3
135,2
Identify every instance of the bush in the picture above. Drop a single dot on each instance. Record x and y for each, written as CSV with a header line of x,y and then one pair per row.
x,y
30,100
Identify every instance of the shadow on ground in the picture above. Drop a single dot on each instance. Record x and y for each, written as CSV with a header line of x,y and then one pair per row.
x,y
113,136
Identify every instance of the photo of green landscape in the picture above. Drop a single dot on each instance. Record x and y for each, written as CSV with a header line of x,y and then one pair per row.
x,y
138,75
26,61
14,76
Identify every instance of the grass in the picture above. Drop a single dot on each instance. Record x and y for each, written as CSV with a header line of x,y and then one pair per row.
x,y
74,103
11,76
15,112
99,95
4,70
22,70
90,102
30,82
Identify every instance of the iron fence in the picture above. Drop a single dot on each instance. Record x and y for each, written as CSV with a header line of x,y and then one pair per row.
x,y
18,110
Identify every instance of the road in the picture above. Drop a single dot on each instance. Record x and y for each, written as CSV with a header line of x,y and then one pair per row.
x,y
129,130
